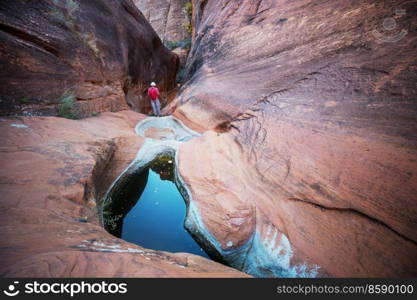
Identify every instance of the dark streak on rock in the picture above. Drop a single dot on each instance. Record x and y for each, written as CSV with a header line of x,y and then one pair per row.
x,y
358,213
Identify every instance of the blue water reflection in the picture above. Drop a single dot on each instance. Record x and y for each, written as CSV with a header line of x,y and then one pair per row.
x,y
156,220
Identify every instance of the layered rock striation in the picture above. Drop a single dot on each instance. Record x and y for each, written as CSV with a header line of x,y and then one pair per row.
x,y
315,151
102,53
167,17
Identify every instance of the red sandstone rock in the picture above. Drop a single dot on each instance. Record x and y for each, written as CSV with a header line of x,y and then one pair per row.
x,y
320,129
170,21
98,50
167,17
160,133
53,172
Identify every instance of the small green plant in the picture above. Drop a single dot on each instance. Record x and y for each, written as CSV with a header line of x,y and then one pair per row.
x,y
188,27
180,75
188,8
72,6
111,222
24,100
67,109
185,43
171,45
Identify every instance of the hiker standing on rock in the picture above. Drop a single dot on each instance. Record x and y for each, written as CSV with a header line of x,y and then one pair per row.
x,y
153,92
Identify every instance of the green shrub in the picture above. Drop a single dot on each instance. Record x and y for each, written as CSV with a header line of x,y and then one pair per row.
x,y
188,27
185,43
171,45
72,6
180,75
67,108
110,222
188,8
24,100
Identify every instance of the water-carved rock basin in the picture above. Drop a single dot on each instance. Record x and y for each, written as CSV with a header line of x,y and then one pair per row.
x,y
145,204
148,210
156,162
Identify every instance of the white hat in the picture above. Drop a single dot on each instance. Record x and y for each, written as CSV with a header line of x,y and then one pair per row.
x,y
153,84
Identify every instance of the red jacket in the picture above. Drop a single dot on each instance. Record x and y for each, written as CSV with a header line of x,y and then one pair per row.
x,y
153,92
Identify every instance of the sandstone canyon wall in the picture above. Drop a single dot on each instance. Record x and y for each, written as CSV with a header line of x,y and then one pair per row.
x,y
306,166
103,52
170,20
53,170
167,17
315,153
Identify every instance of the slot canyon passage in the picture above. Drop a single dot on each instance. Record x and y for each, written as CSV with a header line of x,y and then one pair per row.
x,y
291,125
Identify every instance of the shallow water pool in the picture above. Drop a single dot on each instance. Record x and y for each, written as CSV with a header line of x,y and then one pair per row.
x,y
147,209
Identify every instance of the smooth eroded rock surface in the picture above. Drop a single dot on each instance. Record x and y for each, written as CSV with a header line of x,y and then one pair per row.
x,y
53,171
104,52
314,104
167,17
171,22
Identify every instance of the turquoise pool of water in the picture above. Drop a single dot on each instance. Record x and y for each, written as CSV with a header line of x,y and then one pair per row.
x,y
149,211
